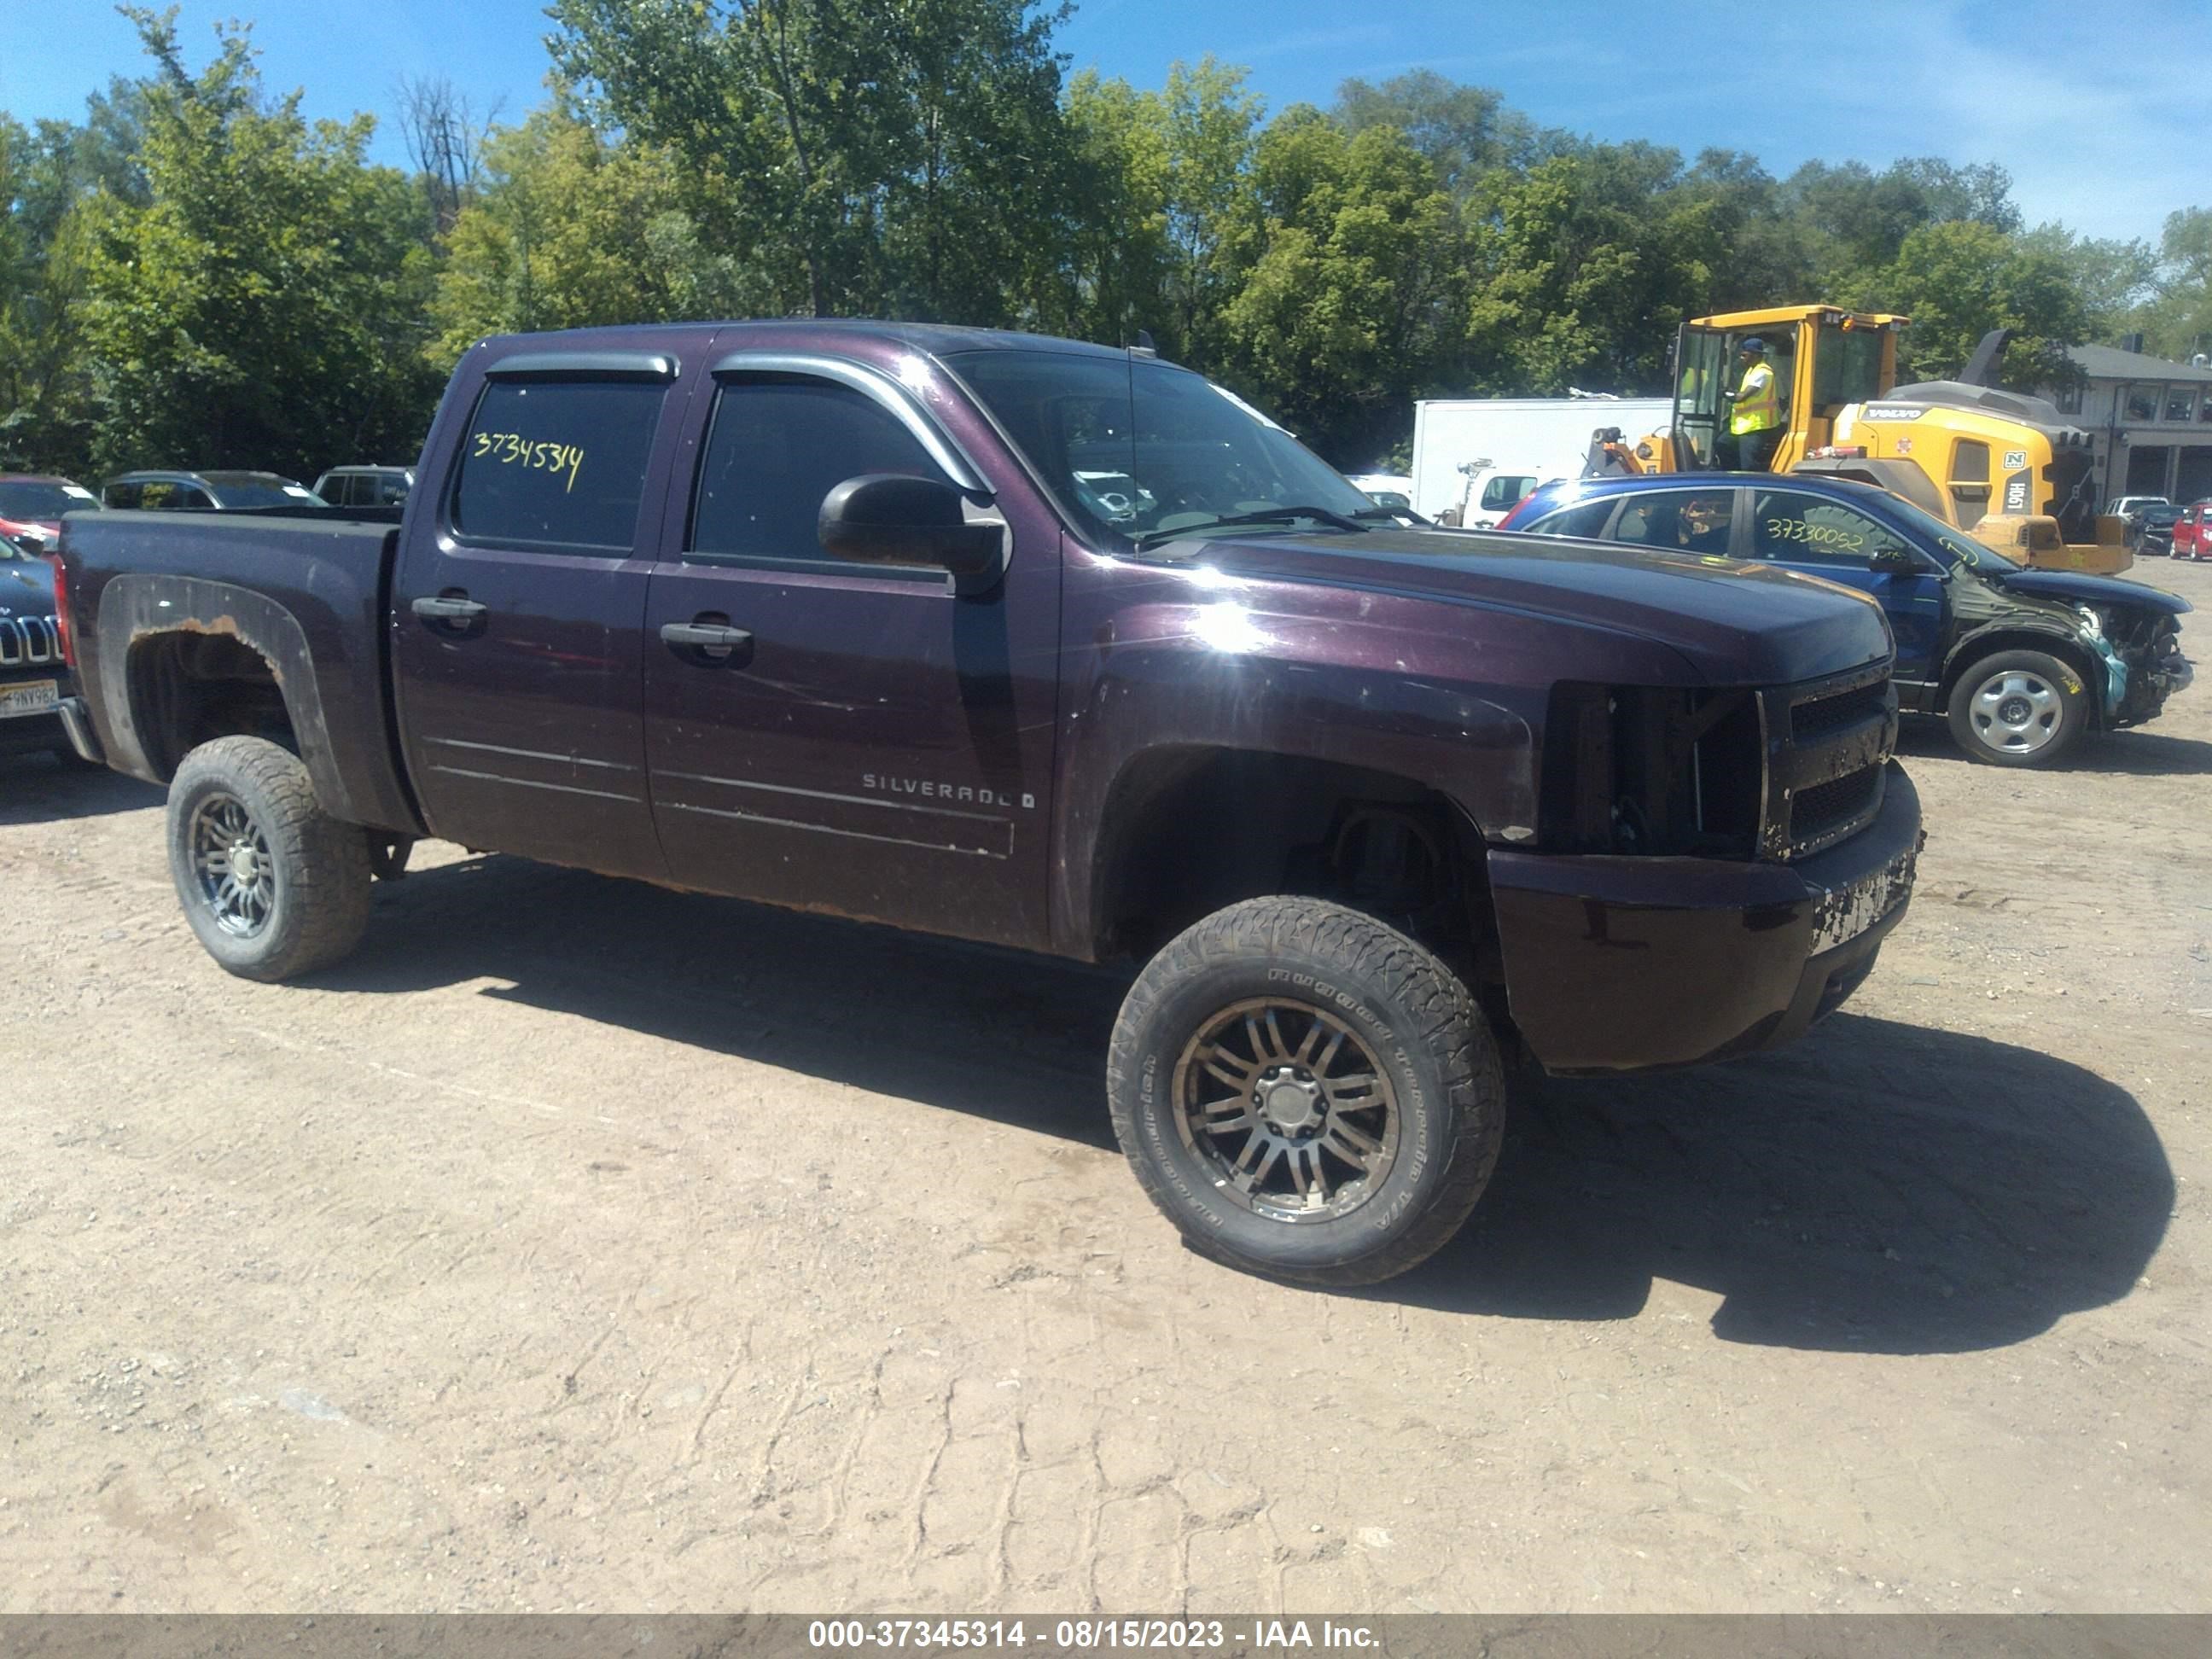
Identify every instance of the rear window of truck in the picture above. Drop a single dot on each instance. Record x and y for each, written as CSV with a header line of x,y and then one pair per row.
x,y
556,464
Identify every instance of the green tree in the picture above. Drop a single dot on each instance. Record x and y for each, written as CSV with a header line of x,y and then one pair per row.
x,y
1583,269
2177,321
46,380
1960,279
263,305
569,228
1464,130
907,154
2113,278
1117,258
1856,220
1755,251
1352,305
1210,126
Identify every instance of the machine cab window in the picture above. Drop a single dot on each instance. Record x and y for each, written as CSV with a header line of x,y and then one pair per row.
x,y
1709,369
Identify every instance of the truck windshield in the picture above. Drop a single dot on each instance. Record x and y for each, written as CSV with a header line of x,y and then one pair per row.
x,y
1135,448
33,500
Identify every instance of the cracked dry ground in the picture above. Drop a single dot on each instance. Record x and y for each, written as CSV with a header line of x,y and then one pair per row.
x,y
580,1245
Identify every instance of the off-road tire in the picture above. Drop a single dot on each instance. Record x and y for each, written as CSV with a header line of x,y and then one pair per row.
x,y
1415,1017
321,867
2069,689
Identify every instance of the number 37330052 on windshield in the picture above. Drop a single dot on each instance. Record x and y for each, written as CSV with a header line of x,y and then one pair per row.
x,y
514,449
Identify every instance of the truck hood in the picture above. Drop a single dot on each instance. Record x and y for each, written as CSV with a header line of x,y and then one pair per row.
x,y
1736,623
2070,587
26,587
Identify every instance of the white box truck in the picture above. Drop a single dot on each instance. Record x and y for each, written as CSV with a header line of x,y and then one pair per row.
x,y
1481,455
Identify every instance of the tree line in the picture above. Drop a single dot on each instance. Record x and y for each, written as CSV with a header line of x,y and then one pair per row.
x,y
195,274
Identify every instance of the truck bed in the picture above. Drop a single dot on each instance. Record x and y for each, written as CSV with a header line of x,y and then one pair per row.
x,y
309,590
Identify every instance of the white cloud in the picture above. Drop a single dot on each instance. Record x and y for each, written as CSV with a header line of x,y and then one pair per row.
x,y
2067,99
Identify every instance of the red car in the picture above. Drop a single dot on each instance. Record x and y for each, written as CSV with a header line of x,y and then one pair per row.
x,y
2192,531
31,505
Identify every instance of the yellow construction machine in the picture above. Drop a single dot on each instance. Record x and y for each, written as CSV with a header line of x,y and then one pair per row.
x,y
2004,467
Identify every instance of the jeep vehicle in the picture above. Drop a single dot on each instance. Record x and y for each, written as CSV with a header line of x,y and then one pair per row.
x,y
1057,648
2024,663
35,682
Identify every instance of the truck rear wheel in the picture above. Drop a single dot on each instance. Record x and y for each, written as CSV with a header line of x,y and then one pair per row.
x,y
1305,1092
2018,709
274,887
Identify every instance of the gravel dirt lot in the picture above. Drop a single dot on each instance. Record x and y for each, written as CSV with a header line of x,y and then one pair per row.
x,y
580,1245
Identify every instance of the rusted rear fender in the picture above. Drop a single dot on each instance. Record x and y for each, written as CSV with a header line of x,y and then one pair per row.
x,y
341,737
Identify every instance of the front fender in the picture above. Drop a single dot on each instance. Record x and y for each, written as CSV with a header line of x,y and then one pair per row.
x,y
2029,633
1450,698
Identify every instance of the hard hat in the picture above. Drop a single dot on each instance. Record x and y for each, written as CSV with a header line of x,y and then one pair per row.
x,y
1755,344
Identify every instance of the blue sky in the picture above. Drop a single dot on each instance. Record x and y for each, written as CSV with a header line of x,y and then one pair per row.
x,y
2098,110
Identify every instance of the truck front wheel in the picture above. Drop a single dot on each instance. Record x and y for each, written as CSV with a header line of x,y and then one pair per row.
x,y
1305,1092
274,887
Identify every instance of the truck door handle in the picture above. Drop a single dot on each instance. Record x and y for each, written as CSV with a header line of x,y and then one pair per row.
x,y
449,608
716,641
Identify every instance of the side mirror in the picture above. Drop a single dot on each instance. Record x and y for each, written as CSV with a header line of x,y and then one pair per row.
x,y
886,518
1898,561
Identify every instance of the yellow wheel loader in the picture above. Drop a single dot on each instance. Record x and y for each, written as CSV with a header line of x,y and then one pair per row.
x,y
2004,467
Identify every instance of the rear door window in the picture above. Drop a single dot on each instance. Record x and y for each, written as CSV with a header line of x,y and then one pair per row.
x,y
1698,521
549,463
1588,519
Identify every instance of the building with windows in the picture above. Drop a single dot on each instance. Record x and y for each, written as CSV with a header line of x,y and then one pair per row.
x,y
2150,421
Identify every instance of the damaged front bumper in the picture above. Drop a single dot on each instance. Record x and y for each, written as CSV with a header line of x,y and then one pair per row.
x,y
2144,690
1624,964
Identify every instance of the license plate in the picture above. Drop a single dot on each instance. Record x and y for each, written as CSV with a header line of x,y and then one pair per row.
x,y
32,697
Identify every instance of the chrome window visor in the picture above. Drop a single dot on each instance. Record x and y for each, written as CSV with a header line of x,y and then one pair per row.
x,y
896,400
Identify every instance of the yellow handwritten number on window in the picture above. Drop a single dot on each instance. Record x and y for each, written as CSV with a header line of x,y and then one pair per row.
x,y
1819,535
512,449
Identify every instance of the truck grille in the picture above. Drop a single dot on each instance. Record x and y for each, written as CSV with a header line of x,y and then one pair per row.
x,y
1827,743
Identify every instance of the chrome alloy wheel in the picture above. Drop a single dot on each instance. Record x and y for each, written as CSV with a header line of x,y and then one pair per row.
x,y
231,858
1288,1108
2015,712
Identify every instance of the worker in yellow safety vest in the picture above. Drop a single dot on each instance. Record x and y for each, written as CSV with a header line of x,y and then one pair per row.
x,y
1755,412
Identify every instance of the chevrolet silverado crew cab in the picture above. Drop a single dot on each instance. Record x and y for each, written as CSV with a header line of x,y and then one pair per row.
x,y
1060,649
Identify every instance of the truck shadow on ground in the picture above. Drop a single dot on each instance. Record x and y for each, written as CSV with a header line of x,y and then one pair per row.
x,y
2148,753
1877,1188
39,789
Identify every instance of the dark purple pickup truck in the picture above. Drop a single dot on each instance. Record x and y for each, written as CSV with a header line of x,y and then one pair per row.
x,y
1062,649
